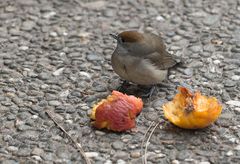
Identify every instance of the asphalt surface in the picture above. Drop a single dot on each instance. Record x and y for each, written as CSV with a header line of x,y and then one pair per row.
x,y
55,55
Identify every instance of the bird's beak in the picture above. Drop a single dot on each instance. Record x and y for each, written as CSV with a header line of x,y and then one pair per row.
x,y
114,36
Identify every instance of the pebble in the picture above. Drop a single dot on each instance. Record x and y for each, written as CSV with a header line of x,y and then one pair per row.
x,y
95,5
118,145
23,152
53,34
48,15
196,48
82,73
109,13
151,116
176,38
188,71
175,162
28,25
211,20
10,161
54,103
135,154
37,151
62,152
108,162
64,93
120,161
160,18
121,155
126,138
229,153
28,2
92,154
229,83
10,9
37,158
24,48
58,71
216,62
237,110
94,57
237,148
204,162
233,103
235,77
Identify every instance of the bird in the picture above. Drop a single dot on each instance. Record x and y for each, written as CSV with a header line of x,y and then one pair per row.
x,y
141,58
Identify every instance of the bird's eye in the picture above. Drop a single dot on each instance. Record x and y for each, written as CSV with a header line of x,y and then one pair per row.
x,y
122,40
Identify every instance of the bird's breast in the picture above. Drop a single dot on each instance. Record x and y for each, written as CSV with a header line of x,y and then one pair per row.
x,y
137,70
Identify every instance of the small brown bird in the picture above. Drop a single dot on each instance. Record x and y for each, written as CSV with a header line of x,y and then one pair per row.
x,y
141,58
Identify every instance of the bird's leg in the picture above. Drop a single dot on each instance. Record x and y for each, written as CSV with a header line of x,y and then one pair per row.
x,y
121,88
150,92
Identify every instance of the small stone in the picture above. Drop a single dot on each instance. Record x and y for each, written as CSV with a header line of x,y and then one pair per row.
x,y
175,162
204,162
199,14
62,152
176,38
237,110
28,25
92,154
23,152
94,57
133,24
10,161
28,2
121,155
126,138
229,83
188,71
237,148
135,154
235,77
108,162
196,48
85,74
160,18
54,103
120,161
64,93
211,20
12,148
43,76
37,151
118,145
37,158
216,62
160,155
151,116
58,71
49,14
229,153
44,86
53,34
109,13
10,9
95,5
233,103
24,48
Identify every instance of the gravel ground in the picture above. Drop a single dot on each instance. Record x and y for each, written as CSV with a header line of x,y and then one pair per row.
x,y
55,55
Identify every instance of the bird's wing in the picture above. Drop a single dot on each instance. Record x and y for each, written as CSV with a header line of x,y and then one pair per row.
x,y
159,56
163,60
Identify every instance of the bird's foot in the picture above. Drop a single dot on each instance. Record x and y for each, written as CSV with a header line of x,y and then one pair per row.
x,y
122,87
150,92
